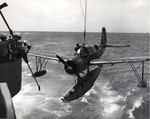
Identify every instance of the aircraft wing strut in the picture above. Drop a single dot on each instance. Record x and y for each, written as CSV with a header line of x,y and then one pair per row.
x,y
131,61
41,61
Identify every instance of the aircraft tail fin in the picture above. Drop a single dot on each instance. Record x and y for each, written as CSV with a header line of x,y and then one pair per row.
x,y
103,37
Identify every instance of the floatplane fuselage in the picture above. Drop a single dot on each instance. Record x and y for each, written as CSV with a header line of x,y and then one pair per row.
x,y
83,55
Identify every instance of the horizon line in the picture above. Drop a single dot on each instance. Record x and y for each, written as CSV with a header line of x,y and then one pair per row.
x,y
69,31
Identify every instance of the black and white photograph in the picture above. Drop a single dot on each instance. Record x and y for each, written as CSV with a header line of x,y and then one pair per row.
x,y
74,59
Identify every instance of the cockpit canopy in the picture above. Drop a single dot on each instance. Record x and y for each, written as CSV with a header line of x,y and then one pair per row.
x,y
86,51
82,51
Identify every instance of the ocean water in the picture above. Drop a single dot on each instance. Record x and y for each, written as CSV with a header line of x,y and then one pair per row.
x,y
115,94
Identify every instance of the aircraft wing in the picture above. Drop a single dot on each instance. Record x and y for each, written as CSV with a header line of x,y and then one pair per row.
x,y
121,60
42,55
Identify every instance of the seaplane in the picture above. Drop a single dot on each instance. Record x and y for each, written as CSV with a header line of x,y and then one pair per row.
x,y
84,58
85,64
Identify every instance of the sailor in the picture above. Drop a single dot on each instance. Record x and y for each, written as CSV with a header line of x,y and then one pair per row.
x,y
24,48
17,36
3,46
16,39
3,37
14,45
77,47
83,51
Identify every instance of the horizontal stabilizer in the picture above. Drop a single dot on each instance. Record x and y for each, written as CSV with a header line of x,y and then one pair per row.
x,y
117,46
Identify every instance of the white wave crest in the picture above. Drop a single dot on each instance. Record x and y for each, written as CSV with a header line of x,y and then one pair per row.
x,y
55,106
111,101
87,95
136,104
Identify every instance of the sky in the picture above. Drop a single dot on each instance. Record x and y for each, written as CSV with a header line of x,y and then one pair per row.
x,y
66,15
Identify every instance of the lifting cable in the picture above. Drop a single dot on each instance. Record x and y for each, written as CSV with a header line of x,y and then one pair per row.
x,y
84,14
81,9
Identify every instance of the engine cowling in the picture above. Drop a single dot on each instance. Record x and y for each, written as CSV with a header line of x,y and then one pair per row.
x,y
76,65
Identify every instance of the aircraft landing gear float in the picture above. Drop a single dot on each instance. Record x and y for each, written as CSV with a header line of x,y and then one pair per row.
x,y
78,89
142,84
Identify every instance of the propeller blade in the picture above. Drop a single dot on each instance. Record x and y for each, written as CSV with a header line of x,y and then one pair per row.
x,y
61,59
69,68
